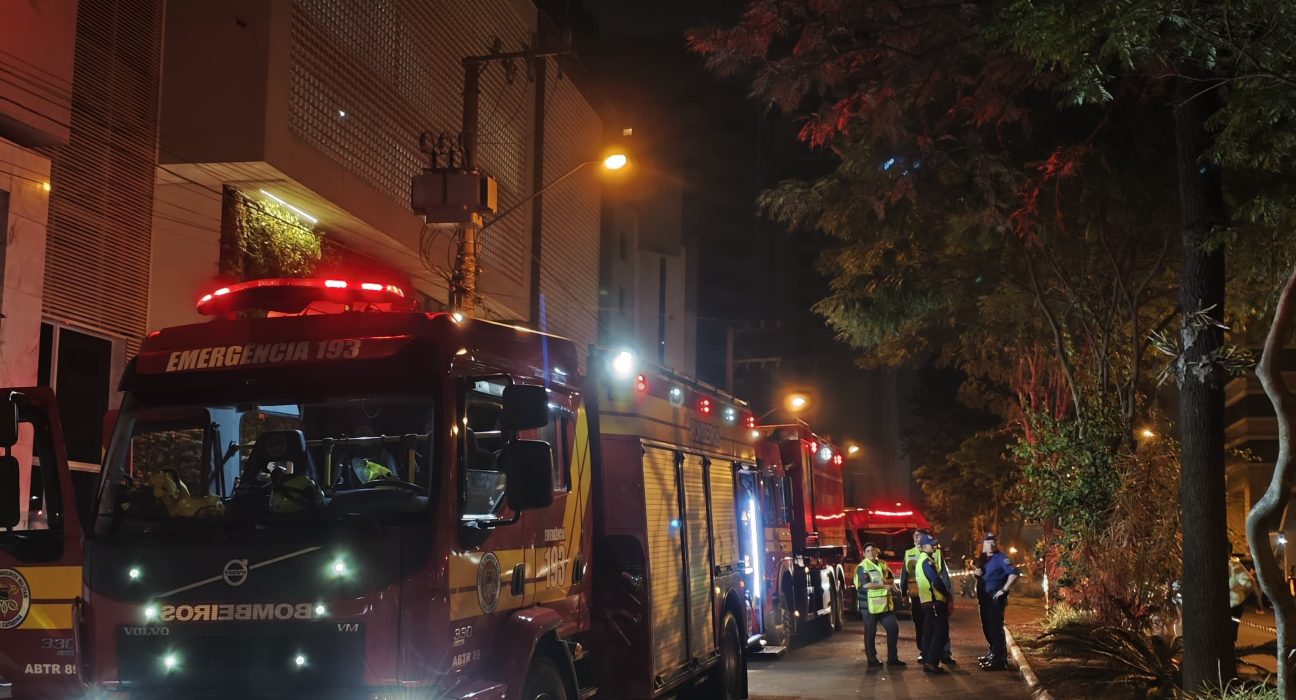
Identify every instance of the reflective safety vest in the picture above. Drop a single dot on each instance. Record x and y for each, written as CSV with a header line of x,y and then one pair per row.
x,y
879,599
911,568
926,591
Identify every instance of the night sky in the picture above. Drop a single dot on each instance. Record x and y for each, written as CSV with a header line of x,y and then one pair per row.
x,y
726,148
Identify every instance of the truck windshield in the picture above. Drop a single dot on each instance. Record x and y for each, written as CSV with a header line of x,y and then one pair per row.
x,y
182,467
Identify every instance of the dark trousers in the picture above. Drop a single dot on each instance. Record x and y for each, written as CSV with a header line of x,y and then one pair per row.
x,y
916,614
888,622
992,624
982,601
935,632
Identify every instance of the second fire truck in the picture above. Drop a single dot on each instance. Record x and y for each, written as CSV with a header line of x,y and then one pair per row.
x,y
793,497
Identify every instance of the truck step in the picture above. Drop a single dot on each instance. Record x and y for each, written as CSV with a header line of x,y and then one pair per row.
x,y
770,652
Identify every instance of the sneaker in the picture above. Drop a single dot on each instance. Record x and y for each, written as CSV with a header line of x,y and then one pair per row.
x,y
985,659
896,663
874,663
995,666
928,668
949,661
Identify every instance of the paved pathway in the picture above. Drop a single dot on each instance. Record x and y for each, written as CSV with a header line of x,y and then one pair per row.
x,y
834,668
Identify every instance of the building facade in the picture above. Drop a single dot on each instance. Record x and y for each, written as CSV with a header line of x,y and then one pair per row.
x,y
135,135
318,106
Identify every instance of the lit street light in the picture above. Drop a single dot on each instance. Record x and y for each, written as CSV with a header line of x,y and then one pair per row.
x,y
616,161
1147,433
797,402
852,450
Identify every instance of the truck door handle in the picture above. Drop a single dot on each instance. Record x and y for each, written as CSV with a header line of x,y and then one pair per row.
x,y
519,580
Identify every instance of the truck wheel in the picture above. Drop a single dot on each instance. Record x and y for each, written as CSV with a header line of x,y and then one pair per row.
x,y
544,682
836,608
787,619
728,678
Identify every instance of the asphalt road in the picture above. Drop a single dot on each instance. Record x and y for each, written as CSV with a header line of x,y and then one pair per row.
x,y
834,668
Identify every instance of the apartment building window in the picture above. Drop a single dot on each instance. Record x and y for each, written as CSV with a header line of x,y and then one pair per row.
x,y
78,365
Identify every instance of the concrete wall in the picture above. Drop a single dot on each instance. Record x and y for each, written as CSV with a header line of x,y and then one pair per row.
x,y
37,38
186,247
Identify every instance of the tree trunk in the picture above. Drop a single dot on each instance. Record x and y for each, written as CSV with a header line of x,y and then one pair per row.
x,y
1266,516
1208,648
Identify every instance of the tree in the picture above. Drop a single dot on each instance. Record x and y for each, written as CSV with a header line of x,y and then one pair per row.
x,y
1266,516
1230,65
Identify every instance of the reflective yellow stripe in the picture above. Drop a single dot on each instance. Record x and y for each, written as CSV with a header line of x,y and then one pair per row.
x,y
52,582
48,616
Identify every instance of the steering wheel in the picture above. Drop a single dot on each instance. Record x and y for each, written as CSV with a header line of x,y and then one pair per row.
x,y
396,483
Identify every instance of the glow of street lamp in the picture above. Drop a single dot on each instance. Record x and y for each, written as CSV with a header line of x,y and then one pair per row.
x,y
1147,434
853,450
616,161
798,402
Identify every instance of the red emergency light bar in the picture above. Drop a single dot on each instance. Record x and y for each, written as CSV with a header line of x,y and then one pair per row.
x,y
293,296
892,513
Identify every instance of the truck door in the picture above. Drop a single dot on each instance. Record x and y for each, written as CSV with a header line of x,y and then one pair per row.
x,y
40,550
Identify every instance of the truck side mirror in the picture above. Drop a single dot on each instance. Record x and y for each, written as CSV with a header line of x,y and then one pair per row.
x,y
526,407
10,509
528,465
9,421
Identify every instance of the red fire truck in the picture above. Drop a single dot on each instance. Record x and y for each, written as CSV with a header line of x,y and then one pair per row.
x,y
325,493
794,492
891,529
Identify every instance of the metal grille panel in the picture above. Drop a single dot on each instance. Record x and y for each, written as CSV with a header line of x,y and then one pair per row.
x,y
665,559
570,247
701,634
368,77
101,205
724,518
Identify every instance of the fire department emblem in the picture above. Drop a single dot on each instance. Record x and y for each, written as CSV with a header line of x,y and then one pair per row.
x,y
15,599
488,582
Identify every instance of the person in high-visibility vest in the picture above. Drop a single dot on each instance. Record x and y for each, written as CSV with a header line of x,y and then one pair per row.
x,y
934,595
909,584
873,584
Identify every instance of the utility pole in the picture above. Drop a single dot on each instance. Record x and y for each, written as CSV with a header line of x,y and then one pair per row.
x,y
731,363
465,274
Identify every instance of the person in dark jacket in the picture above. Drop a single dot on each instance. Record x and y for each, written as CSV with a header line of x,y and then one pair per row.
x,y
997,576
934,596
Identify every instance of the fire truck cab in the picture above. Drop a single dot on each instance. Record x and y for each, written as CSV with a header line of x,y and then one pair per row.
x,y
891,529
323,492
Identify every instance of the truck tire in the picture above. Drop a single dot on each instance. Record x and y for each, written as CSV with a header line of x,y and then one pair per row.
x,y
836,607
728,680
787,619
544,682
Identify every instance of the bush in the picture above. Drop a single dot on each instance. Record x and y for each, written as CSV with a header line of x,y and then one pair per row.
x,y
1062,615
1238,690
1145,664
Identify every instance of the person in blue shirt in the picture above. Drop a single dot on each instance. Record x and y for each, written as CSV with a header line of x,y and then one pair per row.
x,y
997,576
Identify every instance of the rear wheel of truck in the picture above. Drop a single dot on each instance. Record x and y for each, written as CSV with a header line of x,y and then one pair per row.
x,y
728,680
836,607
787,619
544,682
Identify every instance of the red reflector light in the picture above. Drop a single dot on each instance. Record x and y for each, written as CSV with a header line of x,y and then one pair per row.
x,y
296,295
750,421
641,383
704,406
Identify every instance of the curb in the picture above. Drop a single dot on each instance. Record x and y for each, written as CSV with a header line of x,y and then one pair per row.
x,y
1037,691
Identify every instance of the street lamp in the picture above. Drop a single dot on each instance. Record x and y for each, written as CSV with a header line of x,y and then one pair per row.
x,y
852,450
797,402
464,279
